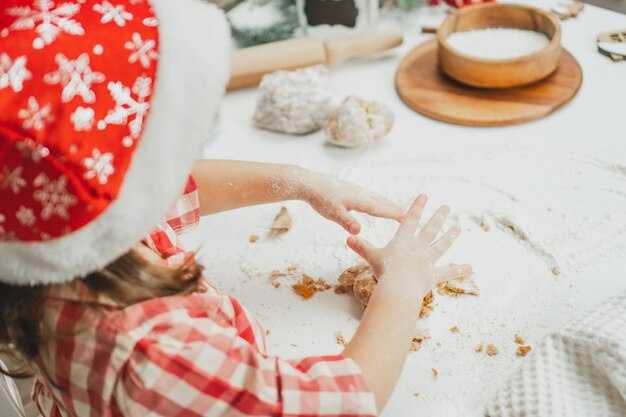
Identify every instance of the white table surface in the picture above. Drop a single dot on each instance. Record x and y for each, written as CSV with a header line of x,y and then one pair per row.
x,y
561,178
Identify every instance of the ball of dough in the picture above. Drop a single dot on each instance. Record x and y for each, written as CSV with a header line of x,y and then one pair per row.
x,y
296,102
358,121
364,286
348,276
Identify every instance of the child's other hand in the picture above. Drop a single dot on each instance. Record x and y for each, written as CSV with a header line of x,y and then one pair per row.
x,y
409,257
334,199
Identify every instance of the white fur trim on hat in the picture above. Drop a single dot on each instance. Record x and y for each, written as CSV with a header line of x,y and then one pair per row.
x,y
193,69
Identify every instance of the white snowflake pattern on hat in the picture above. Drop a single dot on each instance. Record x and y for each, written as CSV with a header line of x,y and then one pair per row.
x,y
53,196
35,116
142,51
76,77
13,73
3,233
26,216
99,165
12,179
47,19
111,13
83,118
127,106
33,150
150,22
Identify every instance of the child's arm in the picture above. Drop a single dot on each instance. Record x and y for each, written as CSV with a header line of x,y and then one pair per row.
x,y
405,268
226,185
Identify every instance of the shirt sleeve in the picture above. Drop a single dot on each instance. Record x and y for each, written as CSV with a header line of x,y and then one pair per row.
x,y
199,367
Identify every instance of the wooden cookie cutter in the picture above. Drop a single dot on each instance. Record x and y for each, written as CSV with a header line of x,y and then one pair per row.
x,y
565,10
613,45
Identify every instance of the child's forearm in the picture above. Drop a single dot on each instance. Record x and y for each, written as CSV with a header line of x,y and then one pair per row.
x,y
381,343
226,185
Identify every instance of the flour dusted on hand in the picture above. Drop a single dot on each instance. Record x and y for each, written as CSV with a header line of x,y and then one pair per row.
x,y
498,43
358,121
294,102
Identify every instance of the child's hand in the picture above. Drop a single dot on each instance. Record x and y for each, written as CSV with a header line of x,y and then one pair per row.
x,y
409,255
334,199
406,272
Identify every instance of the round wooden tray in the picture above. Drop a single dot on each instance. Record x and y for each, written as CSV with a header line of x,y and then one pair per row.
x,y
425,89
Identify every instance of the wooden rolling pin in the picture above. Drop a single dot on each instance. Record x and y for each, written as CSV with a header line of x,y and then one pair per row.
x,y
248,65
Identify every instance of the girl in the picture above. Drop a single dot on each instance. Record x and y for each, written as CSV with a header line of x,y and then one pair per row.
x,y
98,133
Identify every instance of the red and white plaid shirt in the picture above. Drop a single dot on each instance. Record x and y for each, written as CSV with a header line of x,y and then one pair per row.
x,y
196,355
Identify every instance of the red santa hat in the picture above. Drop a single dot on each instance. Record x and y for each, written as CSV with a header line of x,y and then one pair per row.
x,y
104,105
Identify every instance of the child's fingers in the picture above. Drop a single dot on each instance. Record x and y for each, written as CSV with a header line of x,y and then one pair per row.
x,y
446,273
444,243
387,208
343,218
432,228
380,207
362,247
412,218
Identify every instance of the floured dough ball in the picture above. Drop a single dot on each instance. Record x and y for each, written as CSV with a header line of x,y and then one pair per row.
x,y
358,121
362,280
348,276
295,102
364,285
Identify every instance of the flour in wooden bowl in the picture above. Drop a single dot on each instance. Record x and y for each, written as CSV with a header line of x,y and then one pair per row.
x,y
498,43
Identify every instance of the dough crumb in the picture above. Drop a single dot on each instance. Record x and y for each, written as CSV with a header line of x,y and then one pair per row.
x,y
282,222
518,340
254,238
454,329
479,348
307,287
523,350
420,336
427,305
556,270
435,373
416,394
275,276
341,289
492,350
416,344
458,286
340,339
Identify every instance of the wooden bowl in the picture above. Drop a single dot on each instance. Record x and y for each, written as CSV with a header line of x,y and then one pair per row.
x,y
506,73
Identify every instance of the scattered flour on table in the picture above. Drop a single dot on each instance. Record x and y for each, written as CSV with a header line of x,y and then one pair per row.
x,y
498,43
525,237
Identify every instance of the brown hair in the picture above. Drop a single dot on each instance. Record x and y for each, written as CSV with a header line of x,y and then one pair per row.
x,y
130,279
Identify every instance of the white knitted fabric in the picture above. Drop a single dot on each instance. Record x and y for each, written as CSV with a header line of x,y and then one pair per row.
x,y
579,370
